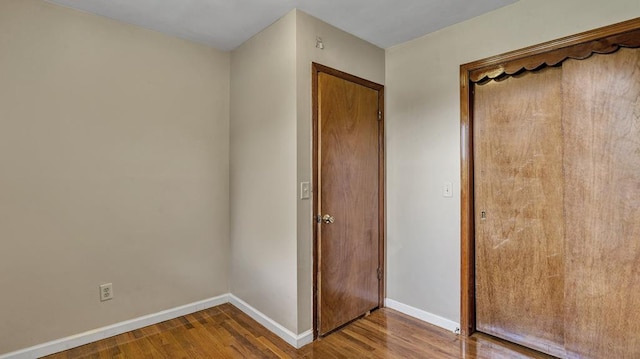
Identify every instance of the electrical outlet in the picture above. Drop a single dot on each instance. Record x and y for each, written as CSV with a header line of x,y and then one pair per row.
x,y
106,291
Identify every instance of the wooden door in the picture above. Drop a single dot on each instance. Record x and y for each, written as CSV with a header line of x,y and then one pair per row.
x,y
602,205
518,210
581,201
348,198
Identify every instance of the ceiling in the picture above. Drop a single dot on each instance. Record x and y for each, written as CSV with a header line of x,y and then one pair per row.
x,y
225,24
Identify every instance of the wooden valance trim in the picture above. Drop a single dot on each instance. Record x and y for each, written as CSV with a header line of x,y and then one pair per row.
x,y
552,53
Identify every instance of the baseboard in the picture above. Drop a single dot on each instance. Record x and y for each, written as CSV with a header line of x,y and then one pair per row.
x,y
77,340
423,315
295,340
73,341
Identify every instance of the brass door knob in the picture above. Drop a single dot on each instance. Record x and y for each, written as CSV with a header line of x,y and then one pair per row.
x,y
327,218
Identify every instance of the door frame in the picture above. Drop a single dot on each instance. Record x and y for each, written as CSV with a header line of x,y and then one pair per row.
x,y
603,40
316,69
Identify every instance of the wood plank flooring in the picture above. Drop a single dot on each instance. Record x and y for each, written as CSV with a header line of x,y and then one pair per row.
x,y
226,332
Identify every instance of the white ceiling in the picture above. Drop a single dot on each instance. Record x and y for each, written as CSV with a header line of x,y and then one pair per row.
x,y
225,24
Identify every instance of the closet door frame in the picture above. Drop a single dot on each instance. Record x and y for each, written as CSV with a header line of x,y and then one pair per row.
x,y
602,40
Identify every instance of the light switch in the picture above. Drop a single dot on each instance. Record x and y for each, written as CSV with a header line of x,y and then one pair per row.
x,y
305,190
447,189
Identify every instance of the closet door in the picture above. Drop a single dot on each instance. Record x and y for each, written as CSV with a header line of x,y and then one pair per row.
x,y
518,209
602,188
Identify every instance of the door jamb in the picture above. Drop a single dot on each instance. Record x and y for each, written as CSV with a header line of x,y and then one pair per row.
x,y
579,46
315,70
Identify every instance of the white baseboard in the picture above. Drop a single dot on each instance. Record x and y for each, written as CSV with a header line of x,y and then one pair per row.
x,y
423,315
295,340
115,329
77,340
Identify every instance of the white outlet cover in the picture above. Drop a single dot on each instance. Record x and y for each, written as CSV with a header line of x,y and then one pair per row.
x,y
106,292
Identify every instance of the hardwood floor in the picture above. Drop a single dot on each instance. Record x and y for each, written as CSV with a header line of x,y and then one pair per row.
x,y
226,332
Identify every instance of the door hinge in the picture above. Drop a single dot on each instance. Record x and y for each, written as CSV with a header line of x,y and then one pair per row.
x,y
379,115
379,273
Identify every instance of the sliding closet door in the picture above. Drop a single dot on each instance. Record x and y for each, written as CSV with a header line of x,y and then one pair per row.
x,y
602,206
518,209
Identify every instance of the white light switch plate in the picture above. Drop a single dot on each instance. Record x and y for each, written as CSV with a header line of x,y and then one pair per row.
x,y
447,189
305,190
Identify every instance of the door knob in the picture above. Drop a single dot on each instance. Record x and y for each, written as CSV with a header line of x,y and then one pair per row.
x,y
327,218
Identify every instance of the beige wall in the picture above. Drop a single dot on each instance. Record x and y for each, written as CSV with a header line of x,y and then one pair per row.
x,y
263,172
113,168
422,78
344,52
115,148
271,155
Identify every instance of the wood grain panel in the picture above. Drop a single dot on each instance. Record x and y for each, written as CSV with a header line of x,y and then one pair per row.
x,y
498,66
348,190
519,186
467,233
602,206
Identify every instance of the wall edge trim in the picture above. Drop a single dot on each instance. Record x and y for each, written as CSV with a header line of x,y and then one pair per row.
x,y
423,315
295,340
90,336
